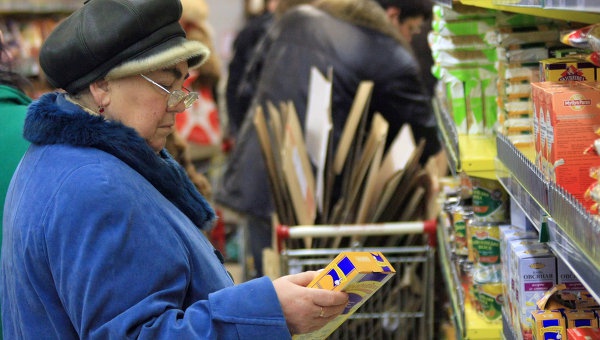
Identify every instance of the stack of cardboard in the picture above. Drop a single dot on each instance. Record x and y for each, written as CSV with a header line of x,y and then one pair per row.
x,y
371,184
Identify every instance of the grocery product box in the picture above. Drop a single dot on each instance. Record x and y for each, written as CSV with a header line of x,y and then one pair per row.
x,y
577,318
583,334
549,325
360,274
534,273
568,115
541,121
521,245
567,69
564,275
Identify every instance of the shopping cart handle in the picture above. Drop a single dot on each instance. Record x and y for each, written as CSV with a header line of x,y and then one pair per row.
x,y
285,232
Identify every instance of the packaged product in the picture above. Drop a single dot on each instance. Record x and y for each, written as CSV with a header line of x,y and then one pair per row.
x,y
580,318
583,334
506,36
460,216
485,242
360,274
509,233
517,73
558,297
477,26
549,325
534,273
471,94
488,292
564,275
567,69
490,200
568,116
586,37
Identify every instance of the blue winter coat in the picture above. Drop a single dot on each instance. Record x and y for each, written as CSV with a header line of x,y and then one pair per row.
x,y
102,240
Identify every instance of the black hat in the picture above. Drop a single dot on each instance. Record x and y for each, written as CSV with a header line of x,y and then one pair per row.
x,y
117,38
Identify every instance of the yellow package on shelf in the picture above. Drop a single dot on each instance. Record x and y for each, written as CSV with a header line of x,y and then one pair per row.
x,y
477,154
360,274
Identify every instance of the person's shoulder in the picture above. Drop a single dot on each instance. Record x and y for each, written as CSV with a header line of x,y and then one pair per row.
x,y
85,166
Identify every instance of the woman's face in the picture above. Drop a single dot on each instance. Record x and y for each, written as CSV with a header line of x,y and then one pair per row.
x,y
141,105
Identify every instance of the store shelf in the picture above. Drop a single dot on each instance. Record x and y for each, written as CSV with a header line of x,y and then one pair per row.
x,y
448,134
507,331
569,230
472,154
468,323
558,11
478,328
452,280
578,5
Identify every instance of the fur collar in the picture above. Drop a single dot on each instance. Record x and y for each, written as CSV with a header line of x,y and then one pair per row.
x,y
53,120
367,14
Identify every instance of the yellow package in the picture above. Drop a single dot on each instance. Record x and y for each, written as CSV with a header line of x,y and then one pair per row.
x,y
548,324
567,69
360,274
581,318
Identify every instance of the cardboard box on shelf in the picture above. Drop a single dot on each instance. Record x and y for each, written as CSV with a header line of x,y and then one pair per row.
x,y
567,69
568,115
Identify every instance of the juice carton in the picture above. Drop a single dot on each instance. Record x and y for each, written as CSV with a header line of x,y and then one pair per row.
x,y
360,274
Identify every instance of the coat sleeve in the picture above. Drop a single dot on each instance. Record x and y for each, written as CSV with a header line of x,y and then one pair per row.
x,y
122,269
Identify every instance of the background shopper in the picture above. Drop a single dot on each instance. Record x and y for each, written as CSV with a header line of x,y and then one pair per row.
x,y
13,105
359,40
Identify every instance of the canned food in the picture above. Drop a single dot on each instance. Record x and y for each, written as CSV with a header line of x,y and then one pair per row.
x,y
484,238
490,200
460,216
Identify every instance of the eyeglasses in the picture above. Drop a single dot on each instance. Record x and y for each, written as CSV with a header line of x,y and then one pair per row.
x,y
175,97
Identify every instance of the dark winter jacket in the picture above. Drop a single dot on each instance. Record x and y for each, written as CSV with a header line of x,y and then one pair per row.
x,y
239,93
355,40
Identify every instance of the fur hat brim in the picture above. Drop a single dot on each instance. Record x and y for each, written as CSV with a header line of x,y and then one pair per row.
x,y
168,54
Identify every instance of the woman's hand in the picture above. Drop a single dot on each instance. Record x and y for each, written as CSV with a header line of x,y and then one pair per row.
x,y
307,309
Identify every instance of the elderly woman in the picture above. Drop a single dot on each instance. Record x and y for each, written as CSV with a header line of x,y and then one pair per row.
x,y
102,228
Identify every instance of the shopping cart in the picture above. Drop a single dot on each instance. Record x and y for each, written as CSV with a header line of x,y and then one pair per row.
x,y
403,307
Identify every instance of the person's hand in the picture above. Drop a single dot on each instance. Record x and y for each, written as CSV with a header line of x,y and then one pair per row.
x,y
307,309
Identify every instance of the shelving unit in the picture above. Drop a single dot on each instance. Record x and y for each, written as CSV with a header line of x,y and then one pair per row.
x,y
472,154
561,12
469,324
560,220
553,212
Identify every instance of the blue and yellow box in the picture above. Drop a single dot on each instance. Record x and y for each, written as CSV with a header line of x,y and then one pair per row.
x,y
360,274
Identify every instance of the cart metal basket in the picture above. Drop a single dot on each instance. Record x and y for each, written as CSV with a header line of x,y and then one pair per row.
x,y
403,307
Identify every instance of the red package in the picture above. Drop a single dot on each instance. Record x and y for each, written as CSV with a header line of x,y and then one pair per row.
x,y
583,334
587,37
